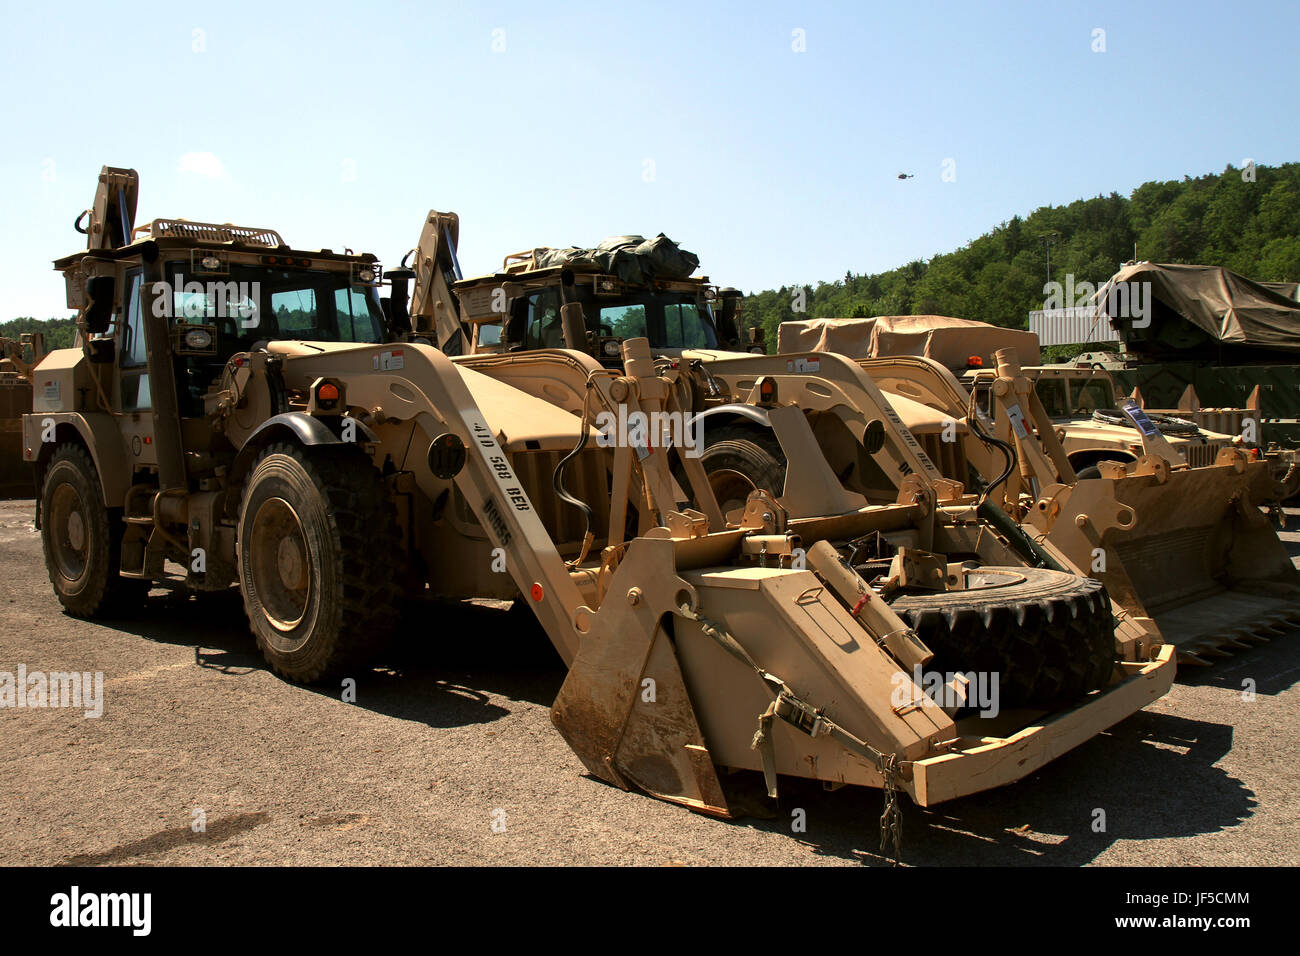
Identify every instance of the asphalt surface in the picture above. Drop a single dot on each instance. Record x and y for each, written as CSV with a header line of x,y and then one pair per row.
x,y
448,756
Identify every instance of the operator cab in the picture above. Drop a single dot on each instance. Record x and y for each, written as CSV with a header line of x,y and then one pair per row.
x,y
216,315
520,308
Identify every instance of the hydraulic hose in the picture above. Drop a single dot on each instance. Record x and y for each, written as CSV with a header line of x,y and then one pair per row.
x,y
557,480
1008,451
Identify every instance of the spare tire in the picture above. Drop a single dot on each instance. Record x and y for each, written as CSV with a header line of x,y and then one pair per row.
x,y
1048,636
1167,424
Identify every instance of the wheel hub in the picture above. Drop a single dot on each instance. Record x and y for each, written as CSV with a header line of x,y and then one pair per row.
x,y
70,540
293,570
731,489
77,531
280,563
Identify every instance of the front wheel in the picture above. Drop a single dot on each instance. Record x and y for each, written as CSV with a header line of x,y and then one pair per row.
x,y
318,566
739,461
82,539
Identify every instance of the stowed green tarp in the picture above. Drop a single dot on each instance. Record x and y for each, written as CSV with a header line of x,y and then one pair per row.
x,y
1227,307
632,259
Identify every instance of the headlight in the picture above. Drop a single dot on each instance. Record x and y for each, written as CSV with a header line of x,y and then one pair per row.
x,y
611,347
366,275
198,339
211,263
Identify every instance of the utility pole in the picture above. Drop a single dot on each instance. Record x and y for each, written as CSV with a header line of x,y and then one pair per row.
x,y
1047,240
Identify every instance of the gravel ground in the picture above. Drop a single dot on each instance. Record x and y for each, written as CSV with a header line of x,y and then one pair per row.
x,y
448,756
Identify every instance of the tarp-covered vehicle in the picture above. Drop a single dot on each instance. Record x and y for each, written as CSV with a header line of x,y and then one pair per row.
x,y
1207,342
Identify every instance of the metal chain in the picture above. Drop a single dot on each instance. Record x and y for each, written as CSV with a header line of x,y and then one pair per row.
x,y
891,820
814,723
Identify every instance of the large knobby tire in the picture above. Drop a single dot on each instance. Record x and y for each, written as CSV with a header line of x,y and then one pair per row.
x,y
318,560
739,461
82,539
1048,635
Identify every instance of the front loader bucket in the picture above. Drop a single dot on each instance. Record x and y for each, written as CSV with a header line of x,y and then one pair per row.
x,y
1189,549
656,700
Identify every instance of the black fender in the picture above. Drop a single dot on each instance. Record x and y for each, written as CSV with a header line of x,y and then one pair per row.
x,y
300,427
753,413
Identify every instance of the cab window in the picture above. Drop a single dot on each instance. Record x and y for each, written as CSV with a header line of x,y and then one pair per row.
x,y
133,347
544,328
684,328
623,321
1055,396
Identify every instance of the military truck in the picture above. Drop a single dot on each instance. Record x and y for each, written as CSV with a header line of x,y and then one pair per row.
x,y
238,412
17,357
1205,338
1091,424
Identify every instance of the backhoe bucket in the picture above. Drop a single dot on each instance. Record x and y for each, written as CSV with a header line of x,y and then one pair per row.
x,y
1188,548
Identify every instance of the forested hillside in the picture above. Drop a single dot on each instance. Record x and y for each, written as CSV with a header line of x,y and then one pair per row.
x,y
59,333
1251,227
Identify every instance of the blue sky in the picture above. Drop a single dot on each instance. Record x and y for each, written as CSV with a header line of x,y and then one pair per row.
x,y
341,124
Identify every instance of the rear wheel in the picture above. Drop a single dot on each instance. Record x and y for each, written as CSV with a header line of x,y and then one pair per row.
x,y
82,539
739,461
1047,635
318,563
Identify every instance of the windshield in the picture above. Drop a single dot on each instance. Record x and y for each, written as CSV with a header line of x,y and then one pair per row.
x,y
254,303
669,321
1055,397
1070,398
1092,394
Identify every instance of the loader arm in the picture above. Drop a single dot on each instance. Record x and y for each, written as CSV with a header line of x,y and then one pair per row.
x,y
430,390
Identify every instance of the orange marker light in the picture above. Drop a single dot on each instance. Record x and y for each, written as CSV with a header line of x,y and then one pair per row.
x,y
536,592
974,361
328,392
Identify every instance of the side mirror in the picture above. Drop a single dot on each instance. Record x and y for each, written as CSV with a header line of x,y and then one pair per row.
x,y
398,313
99,304
728,331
